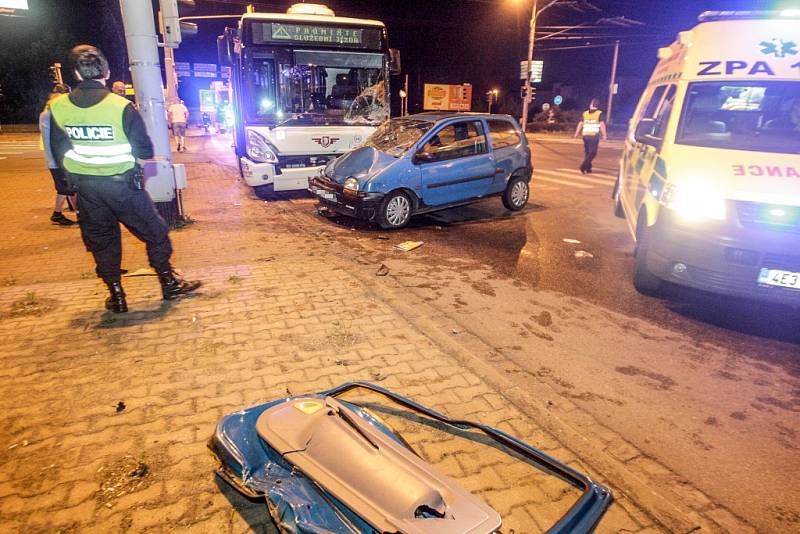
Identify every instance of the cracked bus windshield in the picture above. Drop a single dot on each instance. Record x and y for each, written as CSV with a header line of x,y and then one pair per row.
x,y
321,88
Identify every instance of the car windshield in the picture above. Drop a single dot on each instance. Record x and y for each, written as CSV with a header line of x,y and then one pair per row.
x,y
396,136
758,116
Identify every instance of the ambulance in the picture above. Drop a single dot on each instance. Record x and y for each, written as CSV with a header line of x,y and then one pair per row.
x,y
709,180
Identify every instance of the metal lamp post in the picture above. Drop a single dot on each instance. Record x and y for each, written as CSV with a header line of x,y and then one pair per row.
x,y
531,39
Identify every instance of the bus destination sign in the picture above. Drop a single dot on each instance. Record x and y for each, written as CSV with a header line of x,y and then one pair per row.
x,y
335,36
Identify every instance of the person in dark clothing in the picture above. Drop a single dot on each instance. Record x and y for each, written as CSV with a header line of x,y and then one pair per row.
x,y
96,137
591,127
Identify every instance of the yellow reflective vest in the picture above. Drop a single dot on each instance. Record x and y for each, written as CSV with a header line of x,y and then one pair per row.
x,y
591,122
99,144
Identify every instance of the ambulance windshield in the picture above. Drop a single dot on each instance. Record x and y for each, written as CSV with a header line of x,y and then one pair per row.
x,y
755,116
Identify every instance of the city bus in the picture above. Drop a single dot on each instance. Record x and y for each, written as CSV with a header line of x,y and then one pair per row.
x,y
307,87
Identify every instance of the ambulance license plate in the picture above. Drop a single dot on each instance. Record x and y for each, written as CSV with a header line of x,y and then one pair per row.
x,y
776,277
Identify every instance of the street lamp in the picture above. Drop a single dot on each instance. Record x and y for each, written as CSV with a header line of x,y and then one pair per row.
x,y
492,97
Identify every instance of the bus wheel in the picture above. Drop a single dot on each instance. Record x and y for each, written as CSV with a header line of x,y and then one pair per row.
x,y
644,281
265,192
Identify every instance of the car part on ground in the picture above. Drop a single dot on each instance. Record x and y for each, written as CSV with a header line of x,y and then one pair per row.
x,y
327,465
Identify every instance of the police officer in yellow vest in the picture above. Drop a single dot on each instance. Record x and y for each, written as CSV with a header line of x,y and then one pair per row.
x,y
591,127
96,137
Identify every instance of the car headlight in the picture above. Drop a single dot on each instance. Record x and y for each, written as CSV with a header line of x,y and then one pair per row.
x,y
694,203
259,149
351,184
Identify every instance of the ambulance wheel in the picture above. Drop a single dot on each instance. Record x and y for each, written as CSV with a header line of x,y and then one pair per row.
x,y
515,197
644,281
395,211
619,211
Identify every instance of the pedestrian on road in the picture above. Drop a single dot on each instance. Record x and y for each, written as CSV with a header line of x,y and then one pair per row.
x,y
97,137
59,179
591,127
178,117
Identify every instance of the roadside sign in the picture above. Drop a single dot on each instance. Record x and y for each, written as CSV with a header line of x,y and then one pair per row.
x,y
208,100
535,71
205,70
558,100
448,97
182,69
545,106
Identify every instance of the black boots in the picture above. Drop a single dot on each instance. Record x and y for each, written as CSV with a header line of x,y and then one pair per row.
x,y
59,219
174,286
116,300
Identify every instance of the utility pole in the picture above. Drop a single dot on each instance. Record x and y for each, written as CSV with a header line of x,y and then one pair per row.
x,y
142,44
169,66
531,39
613,82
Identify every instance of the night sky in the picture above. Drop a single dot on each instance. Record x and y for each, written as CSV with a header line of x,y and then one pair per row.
x,y
447,41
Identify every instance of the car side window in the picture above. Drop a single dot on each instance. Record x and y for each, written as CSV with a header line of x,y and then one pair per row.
x,y
503,134
457,140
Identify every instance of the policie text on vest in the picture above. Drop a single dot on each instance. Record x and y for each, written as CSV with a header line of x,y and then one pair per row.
x,y
90,133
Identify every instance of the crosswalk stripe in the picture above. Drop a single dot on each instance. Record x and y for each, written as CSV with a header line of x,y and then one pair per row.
x,y
537,178
582,178
594,174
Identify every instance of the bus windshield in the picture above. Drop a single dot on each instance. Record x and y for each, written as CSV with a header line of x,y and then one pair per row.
x,y
761,116
319,87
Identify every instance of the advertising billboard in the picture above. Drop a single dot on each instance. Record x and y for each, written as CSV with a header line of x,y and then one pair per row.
x,y
442,97
13,7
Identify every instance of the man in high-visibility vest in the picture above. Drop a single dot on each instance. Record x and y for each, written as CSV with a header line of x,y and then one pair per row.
x,y
97,137
591,127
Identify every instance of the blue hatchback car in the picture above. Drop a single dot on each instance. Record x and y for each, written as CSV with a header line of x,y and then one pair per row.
x,y
428,162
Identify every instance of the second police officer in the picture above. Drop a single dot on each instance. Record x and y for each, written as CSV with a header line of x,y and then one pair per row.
x,y
97,136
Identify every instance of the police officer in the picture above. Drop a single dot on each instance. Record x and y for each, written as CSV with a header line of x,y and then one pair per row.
x,y
97,136
591,127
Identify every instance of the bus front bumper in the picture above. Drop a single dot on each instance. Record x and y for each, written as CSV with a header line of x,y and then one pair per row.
x,y
256,174
724,258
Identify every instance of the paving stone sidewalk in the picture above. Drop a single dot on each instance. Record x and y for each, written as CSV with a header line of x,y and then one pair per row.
x,y
106,417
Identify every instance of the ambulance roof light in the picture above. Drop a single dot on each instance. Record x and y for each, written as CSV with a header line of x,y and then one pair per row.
x,y
311,9
708,16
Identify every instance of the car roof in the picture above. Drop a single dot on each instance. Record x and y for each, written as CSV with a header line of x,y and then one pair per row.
x,y
436,116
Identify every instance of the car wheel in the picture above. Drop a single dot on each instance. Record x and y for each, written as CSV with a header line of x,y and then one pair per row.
x,y
644,281
515,197
395,211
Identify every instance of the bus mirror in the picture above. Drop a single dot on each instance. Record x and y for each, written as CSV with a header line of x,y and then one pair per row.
x,y
394,61
222,52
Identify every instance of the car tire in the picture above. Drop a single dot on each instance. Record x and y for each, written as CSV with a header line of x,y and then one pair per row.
x,y
395,211
516,195
644,281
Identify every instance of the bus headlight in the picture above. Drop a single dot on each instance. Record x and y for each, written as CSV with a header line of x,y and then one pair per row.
x,y
351,184
259,149
694,203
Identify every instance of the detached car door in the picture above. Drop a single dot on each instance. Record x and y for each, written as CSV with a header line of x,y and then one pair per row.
x,y
455,163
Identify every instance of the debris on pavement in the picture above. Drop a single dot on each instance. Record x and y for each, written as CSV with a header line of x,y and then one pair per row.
x,y
120,406
583,254
383,237
144,271
571,241
126,476
383,270
306,454
408,246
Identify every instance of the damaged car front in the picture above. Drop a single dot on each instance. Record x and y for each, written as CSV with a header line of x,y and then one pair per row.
x,y
357,183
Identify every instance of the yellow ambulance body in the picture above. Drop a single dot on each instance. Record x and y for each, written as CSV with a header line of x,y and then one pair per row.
x,y
709,179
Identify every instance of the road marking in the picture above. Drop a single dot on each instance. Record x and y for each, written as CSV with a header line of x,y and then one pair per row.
x,y
579,179
598,175
537,178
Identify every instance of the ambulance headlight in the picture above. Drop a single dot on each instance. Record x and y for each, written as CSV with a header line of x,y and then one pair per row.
x,y
694,203
259,149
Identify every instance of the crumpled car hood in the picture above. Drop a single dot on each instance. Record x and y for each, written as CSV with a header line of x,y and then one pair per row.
x,y
362,163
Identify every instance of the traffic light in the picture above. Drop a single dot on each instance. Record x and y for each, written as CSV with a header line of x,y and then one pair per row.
x,y
522,93
173,27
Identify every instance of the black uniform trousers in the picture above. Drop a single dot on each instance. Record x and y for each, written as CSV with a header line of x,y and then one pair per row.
x,y
102,206
590,145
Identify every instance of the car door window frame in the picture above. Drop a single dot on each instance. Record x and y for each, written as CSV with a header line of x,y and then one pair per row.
x,y
481,148
506,124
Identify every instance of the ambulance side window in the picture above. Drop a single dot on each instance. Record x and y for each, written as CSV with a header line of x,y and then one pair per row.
x,y
652,105
664,112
